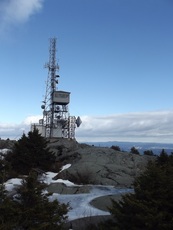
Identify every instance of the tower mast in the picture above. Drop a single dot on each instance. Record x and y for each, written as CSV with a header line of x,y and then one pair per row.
x,y
52,82
56,122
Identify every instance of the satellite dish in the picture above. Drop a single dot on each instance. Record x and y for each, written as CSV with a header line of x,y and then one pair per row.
x,y
78,121
43,106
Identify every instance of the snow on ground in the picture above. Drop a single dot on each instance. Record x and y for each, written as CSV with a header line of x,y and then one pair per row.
x,y
12,183
79,203
65,167
3,152
48,177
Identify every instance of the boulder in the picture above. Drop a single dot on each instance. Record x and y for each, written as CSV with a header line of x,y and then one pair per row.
x,y
61,188
104,166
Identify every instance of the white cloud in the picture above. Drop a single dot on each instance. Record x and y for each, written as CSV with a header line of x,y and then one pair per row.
x,y
146,127
15,131
13,12
32,119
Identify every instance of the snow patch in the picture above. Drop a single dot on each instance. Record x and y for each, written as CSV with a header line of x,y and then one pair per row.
x,y
80,203
12,183
4,151
66,182
65,167
48,177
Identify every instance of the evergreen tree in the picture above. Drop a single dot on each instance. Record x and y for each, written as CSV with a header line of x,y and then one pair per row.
x,y
8,214
163,159
115,147
148,152
35,211
31,152
134,150
151,205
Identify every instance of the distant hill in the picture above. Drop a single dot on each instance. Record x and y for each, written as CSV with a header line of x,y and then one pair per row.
x,y
124,146
141,146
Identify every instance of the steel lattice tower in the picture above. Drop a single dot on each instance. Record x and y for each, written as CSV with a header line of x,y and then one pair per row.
x,y
48,106
56,121
55,114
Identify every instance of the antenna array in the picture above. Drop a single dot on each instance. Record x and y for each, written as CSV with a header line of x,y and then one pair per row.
x,y
56,120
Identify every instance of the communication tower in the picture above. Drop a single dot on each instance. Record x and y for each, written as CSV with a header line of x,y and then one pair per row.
x,y
56,121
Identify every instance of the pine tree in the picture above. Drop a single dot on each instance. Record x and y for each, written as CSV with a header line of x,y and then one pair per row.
x,y
148,152
134,151
151,205
35,209
31,152
8,210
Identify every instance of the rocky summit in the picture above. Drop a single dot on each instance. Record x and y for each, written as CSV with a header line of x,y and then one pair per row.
x,y
97,165
94,165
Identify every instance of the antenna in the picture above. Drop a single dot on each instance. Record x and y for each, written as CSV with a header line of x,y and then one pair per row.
x,y
56,121
49,111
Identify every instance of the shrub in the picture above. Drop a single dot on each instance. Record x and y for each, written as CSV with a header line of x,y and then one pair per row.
x,y
115,147
34,208
151,205
31,152
134,151
31,208
148,153
8,215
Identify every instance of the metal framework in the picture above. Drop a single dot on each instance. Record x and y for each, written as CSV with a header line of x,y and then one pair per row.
x,y
56,120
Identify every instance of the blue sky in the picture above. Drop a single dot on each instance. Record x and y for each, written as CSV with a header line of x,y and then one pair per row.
x,y
115,57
